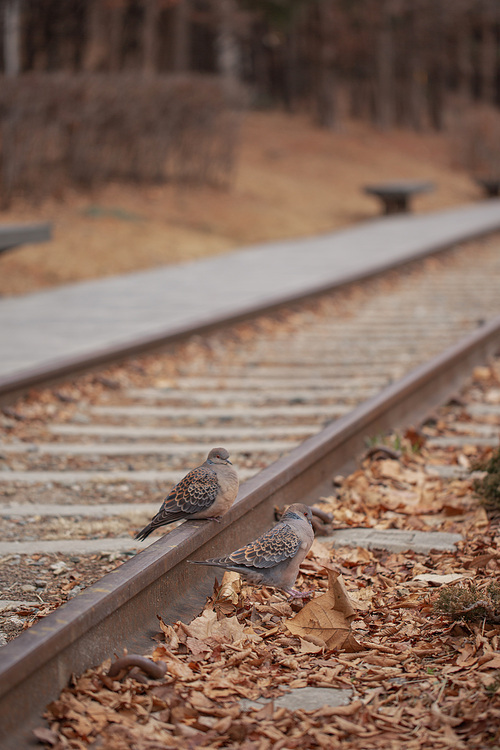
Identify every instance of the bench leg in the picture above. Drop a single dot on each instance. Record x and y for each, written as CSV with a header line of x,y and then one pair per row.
x,y
493,191
396,204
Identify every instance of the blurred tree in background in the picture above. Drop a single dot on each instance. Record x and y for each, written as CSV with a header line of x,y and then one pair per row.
x,y
420,64
390,61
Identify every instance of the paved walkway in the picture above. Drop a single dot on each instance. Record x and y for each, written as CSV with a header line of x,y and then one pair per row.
x,y
46,331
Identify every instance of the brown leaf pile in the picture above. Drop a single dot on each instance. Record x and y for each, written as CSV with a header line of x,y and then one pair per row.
x,y
419,678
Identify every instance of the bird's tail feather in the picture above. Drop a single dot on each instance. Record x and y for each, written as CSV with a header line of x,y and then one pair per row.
x,y
145,532
215,563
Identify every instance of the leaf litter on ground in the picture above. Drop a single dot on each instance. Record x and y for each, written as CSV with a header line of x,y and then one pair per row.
x,y
419,677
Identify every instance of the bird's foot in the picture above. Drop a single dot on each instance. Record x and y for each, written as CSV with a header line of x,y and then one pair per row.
x,y
212,518
295,594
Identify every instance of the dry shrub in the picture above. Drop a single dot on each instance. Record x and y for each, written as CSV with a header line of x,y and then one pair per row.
x,y
475,132
87,130
488,486
470,602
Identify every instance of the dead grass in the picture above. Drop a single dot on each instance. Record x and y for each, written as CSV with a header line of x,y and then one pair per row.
x,y
293,180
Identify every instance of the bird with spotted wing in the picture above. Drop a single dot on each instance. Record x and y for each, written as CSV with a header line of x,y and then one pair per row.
x,y
274,558
206,492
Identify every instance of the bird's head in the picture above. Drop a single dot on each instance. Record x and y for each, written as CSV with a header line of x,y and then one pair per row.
x,y
298,511
218,456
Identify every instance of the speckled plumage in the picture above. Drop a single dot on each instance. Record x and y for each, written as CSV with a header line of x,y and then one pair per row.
x,y
204,493
274,557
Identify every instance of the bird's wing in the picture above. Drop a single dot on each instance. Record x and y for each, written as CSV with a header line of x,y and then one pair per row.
x,y
279,544
197,491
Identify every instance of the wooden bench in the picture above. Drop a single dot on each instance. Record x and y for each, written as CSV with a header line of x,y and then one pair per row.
x,y
490,185
395,196
13,235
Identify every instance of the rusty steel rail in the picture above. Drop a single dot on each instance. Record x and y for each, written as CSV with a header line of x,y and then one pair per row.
x,y
120,611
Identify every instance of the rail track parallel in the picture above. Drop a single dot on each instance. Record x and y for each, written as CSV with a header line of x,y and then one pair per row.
x,y
292,394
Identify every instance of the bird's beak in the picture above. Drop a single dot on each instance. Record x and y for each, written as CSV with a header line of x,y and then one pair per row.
x,y
229,462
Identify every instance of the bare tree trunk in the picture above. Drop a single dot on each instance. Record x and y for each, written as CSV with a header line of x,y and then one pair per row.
x,y
12,37
291,83
181,51
326,90
417,71
384,100
115,37
437,67
488,55
94,58
150,37
226,43
464,58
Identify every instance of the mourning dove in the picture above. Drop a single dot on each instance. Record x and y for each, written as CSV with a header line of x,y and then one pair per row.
x,y
205,492
274,558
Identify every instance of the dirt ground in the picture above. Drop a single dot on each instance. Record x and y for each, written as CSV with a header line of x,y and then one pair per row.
x,y
292,180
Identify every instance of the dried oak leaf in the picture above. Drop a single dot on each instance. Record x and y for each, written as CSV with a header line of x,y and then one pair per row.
x,y
226,597
390,469
328,617
46,735
175,666
230,587
212,631
437,580
171,638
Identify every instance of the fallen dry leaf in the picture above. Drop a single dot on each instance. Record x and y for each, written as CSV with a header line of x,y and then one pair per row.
x,y
46,735
328,617
226,597
209,629
437,579
171,638
309,647
390,469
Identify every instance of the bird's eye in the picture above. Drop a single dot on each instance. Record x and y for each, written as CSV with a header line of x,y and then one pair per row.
x,y
306,513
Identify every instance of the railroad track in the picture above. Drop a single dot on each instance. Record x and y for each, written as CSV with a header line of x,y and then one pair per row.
x,y
85,466
261,390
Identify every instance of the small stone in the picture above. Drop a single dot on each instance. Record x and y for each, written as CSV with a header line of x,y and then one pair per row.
x,y
112,556
306,699
81,418
75,559
3,639
28,588
40,583
338,480
74,591
493,396
15,620
59,567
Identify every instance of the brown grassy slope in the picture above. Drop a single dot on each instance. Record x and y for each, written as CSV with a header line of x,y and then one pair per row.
x,y
292,180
